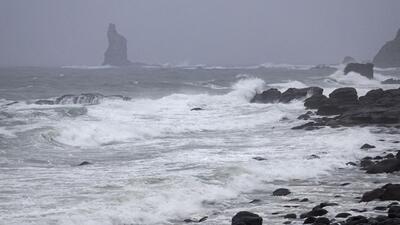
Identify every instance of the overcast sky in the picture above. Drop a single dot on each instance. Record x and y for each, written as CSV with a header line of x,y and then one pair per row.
x,y
213,32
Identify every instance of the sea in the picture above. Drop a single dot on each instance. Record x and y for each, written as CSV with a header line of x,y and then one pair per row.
x,y
154,160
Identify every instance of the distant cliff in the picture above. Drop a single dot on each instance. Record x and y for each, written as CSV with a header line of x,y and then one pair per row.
x,y
117,51
389,55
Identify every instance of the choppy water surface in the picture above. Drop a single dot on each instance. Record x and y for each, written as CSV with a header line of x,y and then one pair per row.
x,y
154,161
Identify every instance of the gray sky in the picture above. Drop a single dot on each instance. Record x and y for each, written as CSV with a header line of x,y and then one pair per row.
x,y
214,32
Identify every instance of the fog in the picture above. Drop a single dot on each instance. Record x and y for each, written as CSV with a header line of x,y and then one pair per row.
x,y
213,32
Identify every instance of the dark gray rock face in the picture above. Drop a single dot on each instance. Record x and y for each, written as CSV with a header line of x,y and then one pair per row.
x,y
366,70
117,51
389,54
269,96
385,193
246,218
298,93
338,102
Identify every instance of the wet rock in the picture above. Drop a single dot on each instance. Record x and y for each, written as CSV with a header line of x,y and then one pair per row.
x,y
287,222
246,218
255,201
309,220
281,192
322,221
269,96
304,200
315,101
189,221
389,54
354,220
391,81
290,216
343,215
325,204
389,156
259,158
380,208
351,164
316,211
84,163
313,157
344,184
203,219
44,102
85,98
117,51
308,126
384,166
385,193
305,116
367,146
394,212
299,93
366,70
196,109
340,100
359,210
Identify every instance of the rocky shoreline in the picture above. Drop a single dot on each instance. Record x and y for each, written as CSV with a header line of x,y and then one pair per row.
x,y
343,107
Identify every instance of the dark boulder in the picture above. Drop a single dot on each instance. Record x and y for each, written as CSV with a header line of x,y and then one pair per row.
x,y
299,93
367,146
389,54
385,193
117,51
355,220
343,215
196,109
246,218
366,70
322,221
394,212
309,220
384,166
269,96
281,192
290,216
84,163
345,95
315,101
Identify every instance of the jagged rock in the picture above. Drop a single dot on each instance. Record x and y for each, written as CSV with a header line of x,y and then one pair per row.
x,y
117,51
299,93
389,54
340,100
366,70
269,96
246,218
348,59
281,192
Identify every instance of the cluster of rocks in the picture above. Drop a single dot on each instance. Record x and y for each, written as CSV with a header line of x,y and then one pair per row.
x,y
318,214
273,95
85,98
376,107
388,163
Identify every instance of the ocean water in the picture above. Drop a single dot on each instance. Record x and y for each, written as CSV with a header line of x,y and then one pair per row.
x,y
154,161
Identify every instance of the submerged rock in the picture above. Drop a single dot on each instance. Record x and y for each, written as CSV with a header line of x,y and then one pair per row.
x,y
281,192
367,146
366,70
389,54
84,163
391,81
117,51
246,218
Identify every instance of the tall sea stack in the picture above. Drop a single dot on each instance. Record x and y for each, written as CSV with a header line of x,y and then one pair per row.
x,y
117,52
389,55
